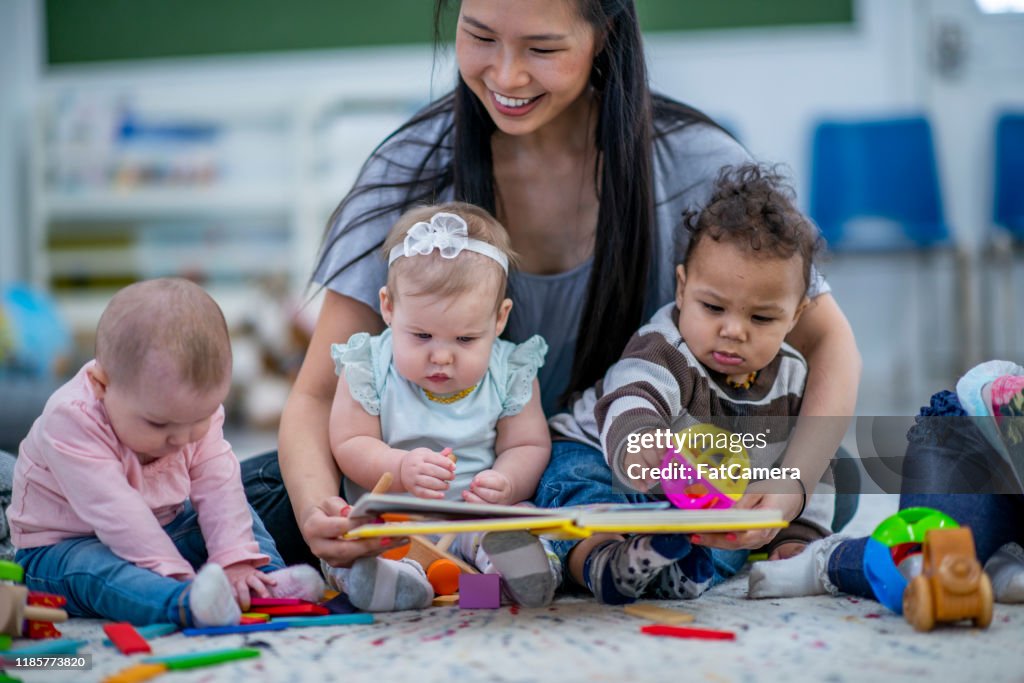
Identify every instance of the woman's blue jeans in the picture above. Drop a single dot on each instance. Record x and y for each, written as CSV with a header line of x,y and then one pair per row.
x,y
941,451
98,583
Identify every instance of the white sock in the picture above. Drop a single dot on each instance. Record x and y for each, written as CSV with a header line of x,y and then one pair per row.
x,y
803,574
298,581
1006,569
374,584
211,600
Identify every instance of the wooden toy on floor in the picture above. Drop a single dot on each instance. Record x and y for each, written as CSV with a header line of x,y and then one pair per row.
x,y
662,615
14,611
445,601
952,585
479,591
12,573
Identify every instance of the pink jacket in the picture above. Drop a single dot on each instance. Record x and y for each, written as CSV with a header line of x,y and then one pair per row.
x,y
73,478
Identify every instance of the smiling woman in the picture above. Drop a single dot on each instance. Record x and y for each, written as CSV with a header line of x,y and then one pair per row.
x,y
515,71
552,129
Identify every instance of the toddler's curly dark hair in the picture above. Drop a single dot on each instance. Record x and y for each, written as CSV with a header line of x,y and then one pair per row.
x,y
752,206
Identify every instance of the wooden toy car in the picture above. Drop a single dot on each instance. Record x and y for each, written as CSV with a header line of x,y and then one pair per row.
x,y
952,585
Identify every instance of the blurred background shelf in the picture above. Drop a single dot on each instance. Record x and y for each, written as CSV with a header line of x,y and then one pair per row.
x,y
134,182
158,202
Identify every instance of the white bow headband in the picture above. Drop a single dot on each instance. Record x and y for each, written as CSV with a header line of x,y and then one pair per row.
x,y
447,233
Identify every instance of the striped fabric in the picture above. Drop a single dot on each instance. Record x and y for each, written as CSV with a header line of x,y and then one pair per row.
x,y
658,384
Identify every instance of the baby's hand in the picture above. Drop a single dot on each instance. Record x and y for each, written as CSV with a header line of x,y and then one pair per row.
x,y
425,473
489,486
634,465
246,581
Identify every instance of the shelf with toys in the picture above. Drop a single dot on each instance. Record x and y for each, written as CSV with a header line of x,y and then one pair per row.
x,y
132,183
230,186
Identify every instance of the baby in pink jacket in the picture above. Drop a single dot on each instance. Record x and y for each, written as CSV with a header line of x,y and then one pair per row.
x,y
125,485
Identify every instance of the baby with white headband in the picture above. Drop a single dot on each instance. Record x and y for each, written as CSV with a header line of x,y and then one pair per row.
x,y
439,377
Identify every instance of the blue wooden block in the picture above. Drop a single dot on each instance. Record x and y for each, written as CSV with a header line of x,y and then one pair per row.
x,y
47,647
242,628
479,591
326,620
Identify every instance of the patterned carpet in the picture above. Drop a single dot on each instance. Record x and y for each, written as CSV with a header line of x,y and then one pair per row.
x,y
799,639
821,638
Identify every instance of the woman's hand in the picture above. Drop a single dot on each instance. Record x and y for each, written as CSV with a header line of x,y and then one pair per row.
x,y
489,486
426,474
755,498
323,527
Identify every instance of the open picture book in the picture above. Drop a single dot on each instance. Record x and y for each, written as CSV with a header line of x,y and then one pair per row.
x,y
404,515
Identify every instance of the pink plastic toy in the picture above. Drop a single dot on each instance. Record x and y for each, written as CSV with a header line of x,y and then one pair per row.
x,y
703,451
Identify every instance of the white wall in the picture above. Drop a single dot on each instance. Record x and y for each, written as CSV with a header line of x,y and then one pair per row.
x,y
771,84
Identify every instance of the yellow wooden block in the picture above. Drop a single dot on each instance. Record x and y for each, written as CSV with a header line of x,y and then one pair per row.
x,y
661,615
256,615
136,673
446,600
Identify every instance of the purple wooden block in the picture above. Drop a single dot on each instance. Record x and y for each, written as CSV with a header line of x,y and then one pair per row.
x,y
479,591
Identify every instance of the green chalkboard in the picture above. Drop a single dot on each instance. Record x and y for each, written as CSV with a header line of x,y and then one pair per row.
x,y
104,30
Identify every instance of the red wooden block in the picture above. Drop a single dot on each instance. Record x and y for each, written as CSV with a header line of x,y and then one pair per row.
x,y
305,610
126,639
45,599
38,630
245,621
276,602
687,632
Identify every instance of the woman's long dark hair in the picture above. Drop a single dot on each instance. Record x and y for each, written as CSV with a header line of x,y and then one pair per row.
x,y
629,119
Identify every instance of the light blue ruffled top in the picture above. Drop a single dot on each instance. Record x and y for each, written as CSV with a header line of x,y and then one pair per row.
x,y
408,419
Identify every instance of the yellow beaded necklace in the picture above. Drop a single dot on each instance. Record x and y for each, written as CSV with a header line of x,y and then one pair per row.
x,y
745,384
457,396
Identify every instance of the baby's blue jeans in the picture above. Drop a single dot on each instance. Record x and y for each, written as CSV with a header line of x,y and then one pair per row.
x,y
98,583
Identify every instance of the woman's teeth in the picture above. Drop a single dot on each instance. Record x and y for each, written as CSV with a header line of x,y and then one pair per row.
x,y
512,101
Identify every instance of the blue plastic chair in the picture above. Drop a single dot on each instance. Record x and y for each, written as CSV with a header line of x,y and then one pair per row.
x,y
1008,209
875,185
875,192
1008,238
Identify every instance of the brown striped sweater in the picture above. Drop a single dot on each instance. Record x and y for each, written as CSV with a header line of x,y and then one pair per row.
x,y
659,384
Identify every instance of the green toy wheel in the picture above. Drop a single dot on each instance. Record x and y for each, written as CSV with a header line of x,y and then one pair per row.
x,y
11,571
911,525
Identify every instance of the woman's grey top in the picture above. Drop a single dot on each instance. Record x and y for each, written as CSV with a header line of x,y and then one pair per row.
x,y
687,161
